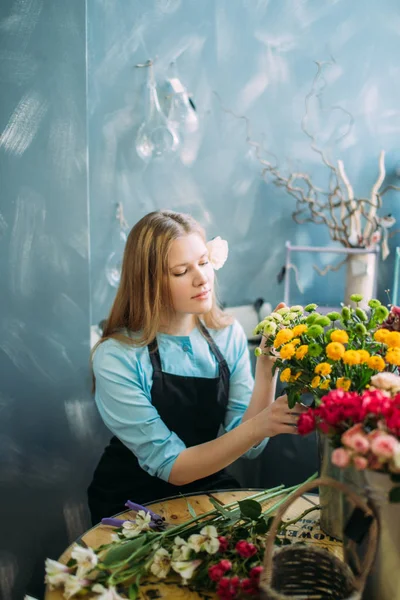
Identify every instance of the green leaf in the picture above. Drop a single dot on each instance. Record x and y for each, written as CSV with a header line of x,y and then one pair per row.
x,y
394,494
250,509
395,477
262,526
122,551
191,509
293,397
222,511
133,592
241,533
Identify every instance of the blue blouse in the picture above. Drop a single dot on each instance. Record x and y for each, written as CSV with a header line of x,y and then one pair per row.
x,y
124,377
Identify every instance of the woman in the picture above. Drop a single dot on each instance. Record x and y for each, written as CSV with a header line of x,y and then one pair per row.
x,y
170,370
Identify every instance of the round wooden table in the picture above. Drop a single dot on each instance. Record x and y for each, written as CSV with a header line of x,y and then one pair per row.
x,y
176,511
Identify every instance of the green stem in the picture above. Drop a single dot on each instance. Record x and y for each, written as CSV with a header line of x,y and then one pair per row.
x,y
286,524
295,488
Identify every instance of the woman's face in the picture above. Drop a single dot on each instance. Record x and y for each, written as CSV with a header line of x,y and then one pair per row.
x,y
191,275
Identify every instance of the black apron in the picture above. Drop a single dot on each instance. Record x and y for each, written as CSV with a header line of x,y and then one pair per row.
x,y
193,408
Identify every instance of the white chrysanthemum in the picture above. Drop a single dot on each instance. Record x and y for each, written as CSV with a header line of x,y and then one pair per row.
x,y
207,540
276,317
161,565
217,252
56,573
185,568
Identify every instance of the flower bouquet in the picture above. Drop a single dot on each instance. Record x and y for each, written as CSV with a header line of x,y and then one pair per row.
x,y
219,551
364,428
341,350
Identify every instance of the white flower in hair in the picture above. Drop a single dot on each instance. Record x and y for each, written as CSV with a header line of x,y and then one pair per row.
x,y
217,252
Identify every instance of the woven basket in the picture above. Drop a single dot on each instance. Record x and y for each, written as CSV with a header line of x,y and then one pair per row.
x,y
302,571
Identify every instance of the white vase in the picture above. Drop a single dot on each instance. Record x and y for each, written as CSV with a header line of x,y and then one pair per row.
x,y
361,276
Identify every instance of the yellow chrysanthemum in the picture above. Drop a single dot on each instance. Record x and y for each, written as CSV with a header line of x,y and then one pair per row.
x,y
325,384
351,357
343,383
393,356
376,362
301,351
296,376
364,355
335,350
295,341
339,335
283,336
299,329
393,339
287,351
285,375
381,335
316,381
323,368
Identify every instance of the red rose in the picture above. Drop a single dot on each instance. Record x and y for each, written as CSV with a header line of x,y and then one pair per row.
x,y
249,587
255,572
245,549
215,572
226,565
223,543
228,587
306,422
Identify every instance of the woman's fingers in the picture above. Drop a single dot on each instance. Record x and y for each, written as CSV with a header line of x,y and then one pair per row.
x,y
288,429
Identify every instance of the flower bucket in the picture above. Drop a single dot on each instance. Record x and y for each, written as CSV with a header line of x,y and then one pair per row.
x,y
301,571
383,582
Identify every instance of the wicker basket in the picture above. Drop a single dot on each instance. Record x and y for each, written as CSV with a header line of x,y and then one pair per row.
x,y
301,571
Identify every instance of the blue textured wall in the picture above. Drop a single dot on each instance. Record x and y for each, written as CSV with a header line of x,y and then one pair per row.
x,y
47,422
258,56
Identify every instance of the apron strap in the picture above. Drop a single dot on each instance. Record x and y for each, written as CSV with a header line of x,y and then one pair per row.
x,y
223,365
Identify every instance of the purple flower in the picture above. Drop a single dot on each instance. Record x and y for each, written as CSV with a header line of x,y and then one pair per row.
x,y
112,522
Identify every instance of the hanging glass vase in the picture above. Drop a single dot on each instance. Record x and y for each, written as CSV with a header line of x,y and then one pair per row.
x,y
155,137
182,114
118,240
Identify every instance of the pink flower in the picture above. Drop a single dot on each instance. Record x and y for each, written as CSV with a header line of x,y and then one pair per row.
x,y
340,457
360,463
384,445
245,549
356,439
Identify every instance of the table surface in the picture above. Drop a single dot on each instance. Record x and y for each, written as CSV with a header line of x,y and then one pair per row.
x,y
176,511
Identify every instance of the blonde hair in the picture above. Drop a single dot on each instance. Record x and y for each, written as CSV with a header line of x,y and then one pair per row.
x,y
143,294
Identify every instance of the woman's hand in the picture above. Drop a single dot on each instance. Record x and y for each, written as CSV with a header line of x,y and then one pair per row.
x,y
279,418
